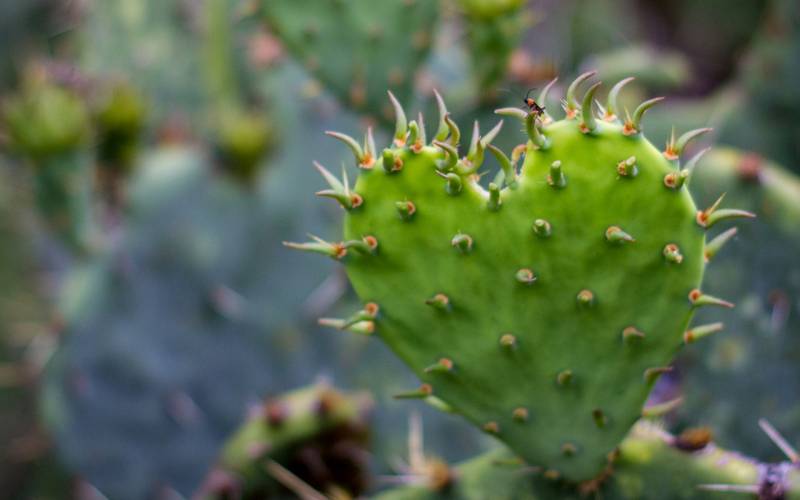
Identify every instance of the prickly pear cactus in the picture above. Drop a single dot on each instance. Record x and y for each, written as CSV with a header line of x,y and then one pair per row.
x,y
543,308
357,48
317,434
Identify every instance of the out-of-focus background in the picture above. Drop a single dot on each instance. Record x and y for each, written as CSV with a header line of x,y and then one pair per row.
x,y
154,154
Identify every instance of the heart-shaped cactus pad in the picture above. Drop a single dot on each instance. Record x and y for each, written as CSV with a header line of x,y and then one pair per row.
x,y
542,308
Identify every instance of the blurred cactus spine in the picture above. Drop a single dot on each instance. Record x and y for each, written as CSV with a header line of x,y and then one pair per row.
x,y
49,127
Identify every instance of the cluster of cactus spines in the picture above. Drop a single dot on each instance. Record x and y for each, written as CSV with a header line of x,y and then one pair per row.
x,y
314,437
730,371
48,126
650,463
557,301
357,48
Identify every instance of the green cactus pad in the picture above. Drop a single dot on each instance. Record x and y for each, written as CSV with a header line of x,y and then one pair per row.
x,y
357,48
542,313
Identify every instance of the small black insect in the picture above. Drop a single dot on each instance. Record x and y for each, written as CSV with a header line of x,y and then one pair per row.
x,y
536,110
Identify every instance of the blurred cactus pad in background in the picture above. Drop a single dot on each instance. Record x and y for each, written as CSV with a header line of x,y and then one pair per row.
x,y
559,247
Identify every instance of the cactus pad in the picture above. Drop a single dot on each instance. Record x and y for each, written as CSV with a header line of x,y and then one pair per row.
x,y
542,308
357,48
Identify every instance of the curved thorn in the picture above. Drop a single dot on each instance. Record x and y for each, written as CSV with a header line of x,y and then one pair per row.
x,y
451,156
443,130
351,143
413,135
611,102
633,125
715,245
455,132
514,112
692,163
532,128
684,139
363,327
369,144
543,97
698,299
710,216
422,138
571,103
332,250
509,169
473,143
476,159
368,313
401,124
331,179
698,332
728,213
588,121
661,409
490,136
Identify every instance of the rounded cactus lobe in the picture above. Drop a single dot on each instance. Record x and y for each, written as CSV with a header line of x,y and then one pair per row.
x,y
631,284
